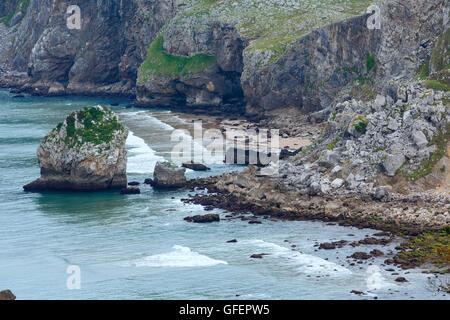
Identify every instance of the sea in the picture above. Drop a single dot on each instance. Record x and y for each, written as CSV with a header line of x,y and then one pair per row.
x,y
104,245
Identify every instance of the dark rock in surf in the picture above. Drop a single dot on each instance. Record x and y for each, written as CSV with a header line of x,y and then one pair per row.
x,y
130,190
207,218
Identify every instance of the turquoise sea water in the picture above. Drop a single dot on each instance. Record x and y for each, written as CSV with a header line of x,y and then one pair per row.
x,y
139,246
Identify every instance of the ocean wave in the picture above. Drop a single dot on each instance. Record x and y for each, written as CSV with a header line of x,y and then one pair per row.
x,y
141,158
179,257
147,117
304,263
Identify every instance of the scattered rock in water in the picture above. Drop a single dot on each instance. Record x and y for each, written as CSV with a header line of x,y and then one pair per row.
x,y
258,255
7,295
129,106
359,293
327,246
207,218
133,183
15,91
168,175
232,241
360,256
149,181
377,253
114,104
130,190
195,166
18,96
401,279
85,152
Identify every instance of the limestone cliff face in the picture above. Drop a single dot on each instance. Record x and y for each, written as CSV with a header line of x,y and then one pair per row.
x,y
85,152
347,53
252,56
271,69
102,57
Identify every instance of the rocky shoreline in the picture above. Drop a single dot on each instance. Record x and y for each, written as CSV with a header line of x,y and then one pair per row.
x,y
407,217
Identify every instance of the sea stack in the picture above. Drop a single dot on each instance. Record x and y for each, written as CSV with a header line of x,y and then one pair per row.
x,y
86,152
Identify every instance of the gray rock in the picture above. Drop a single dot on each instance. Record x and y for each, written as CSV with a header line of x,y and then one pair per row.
x,y
392,163
419,139
393,124
337,183
382,192
380,102
329,158
167,175
74,156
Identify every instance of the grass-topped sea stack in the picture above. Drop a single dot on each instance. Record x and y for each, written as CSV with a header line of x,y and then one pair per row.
x,y
85,152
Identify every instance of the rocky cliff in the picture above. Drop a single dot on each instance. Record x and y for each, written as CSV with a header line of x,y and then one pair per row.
x,y
271,56
85,152
100,58
255,57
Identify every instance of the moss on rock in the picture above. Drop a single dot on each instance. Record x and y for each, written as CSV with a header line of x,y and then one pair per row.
x,y
159,62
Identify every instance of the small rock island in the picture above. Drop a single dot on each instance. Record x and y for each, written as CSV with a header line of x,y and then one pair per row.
x,y
86,152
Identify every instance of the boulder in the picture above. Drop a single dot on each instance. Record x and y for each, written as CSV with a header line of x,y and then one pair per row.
x,y
168,175
85,152
392,163
195,166
130,190
327,246
419,139
337,183
382,192
7,295
401,279
207,218
149,181
258,255
360,256
329,158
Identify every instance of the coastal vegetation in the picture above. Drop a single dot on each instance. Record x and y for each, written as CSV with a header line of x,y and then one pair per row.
x,y
22,6
95,125
159,62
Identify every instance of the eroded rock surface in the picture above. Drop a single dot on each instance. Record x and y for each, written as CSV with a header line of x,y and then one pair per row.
x,y
85,152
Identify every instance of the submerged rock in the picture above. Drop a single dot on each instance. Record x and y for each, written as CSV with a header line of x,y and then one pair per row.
x,y
85,152
167,175
7,295
130,190
203,219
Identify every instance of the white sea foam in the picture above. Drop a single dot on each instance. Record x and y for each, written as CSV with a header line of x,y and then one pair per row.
x,y
148,118
304,263
181,137
141,158
179,257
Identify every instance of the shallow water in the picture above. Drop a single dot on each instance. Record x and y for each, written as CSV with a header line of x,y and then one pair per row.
x,y
139,246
